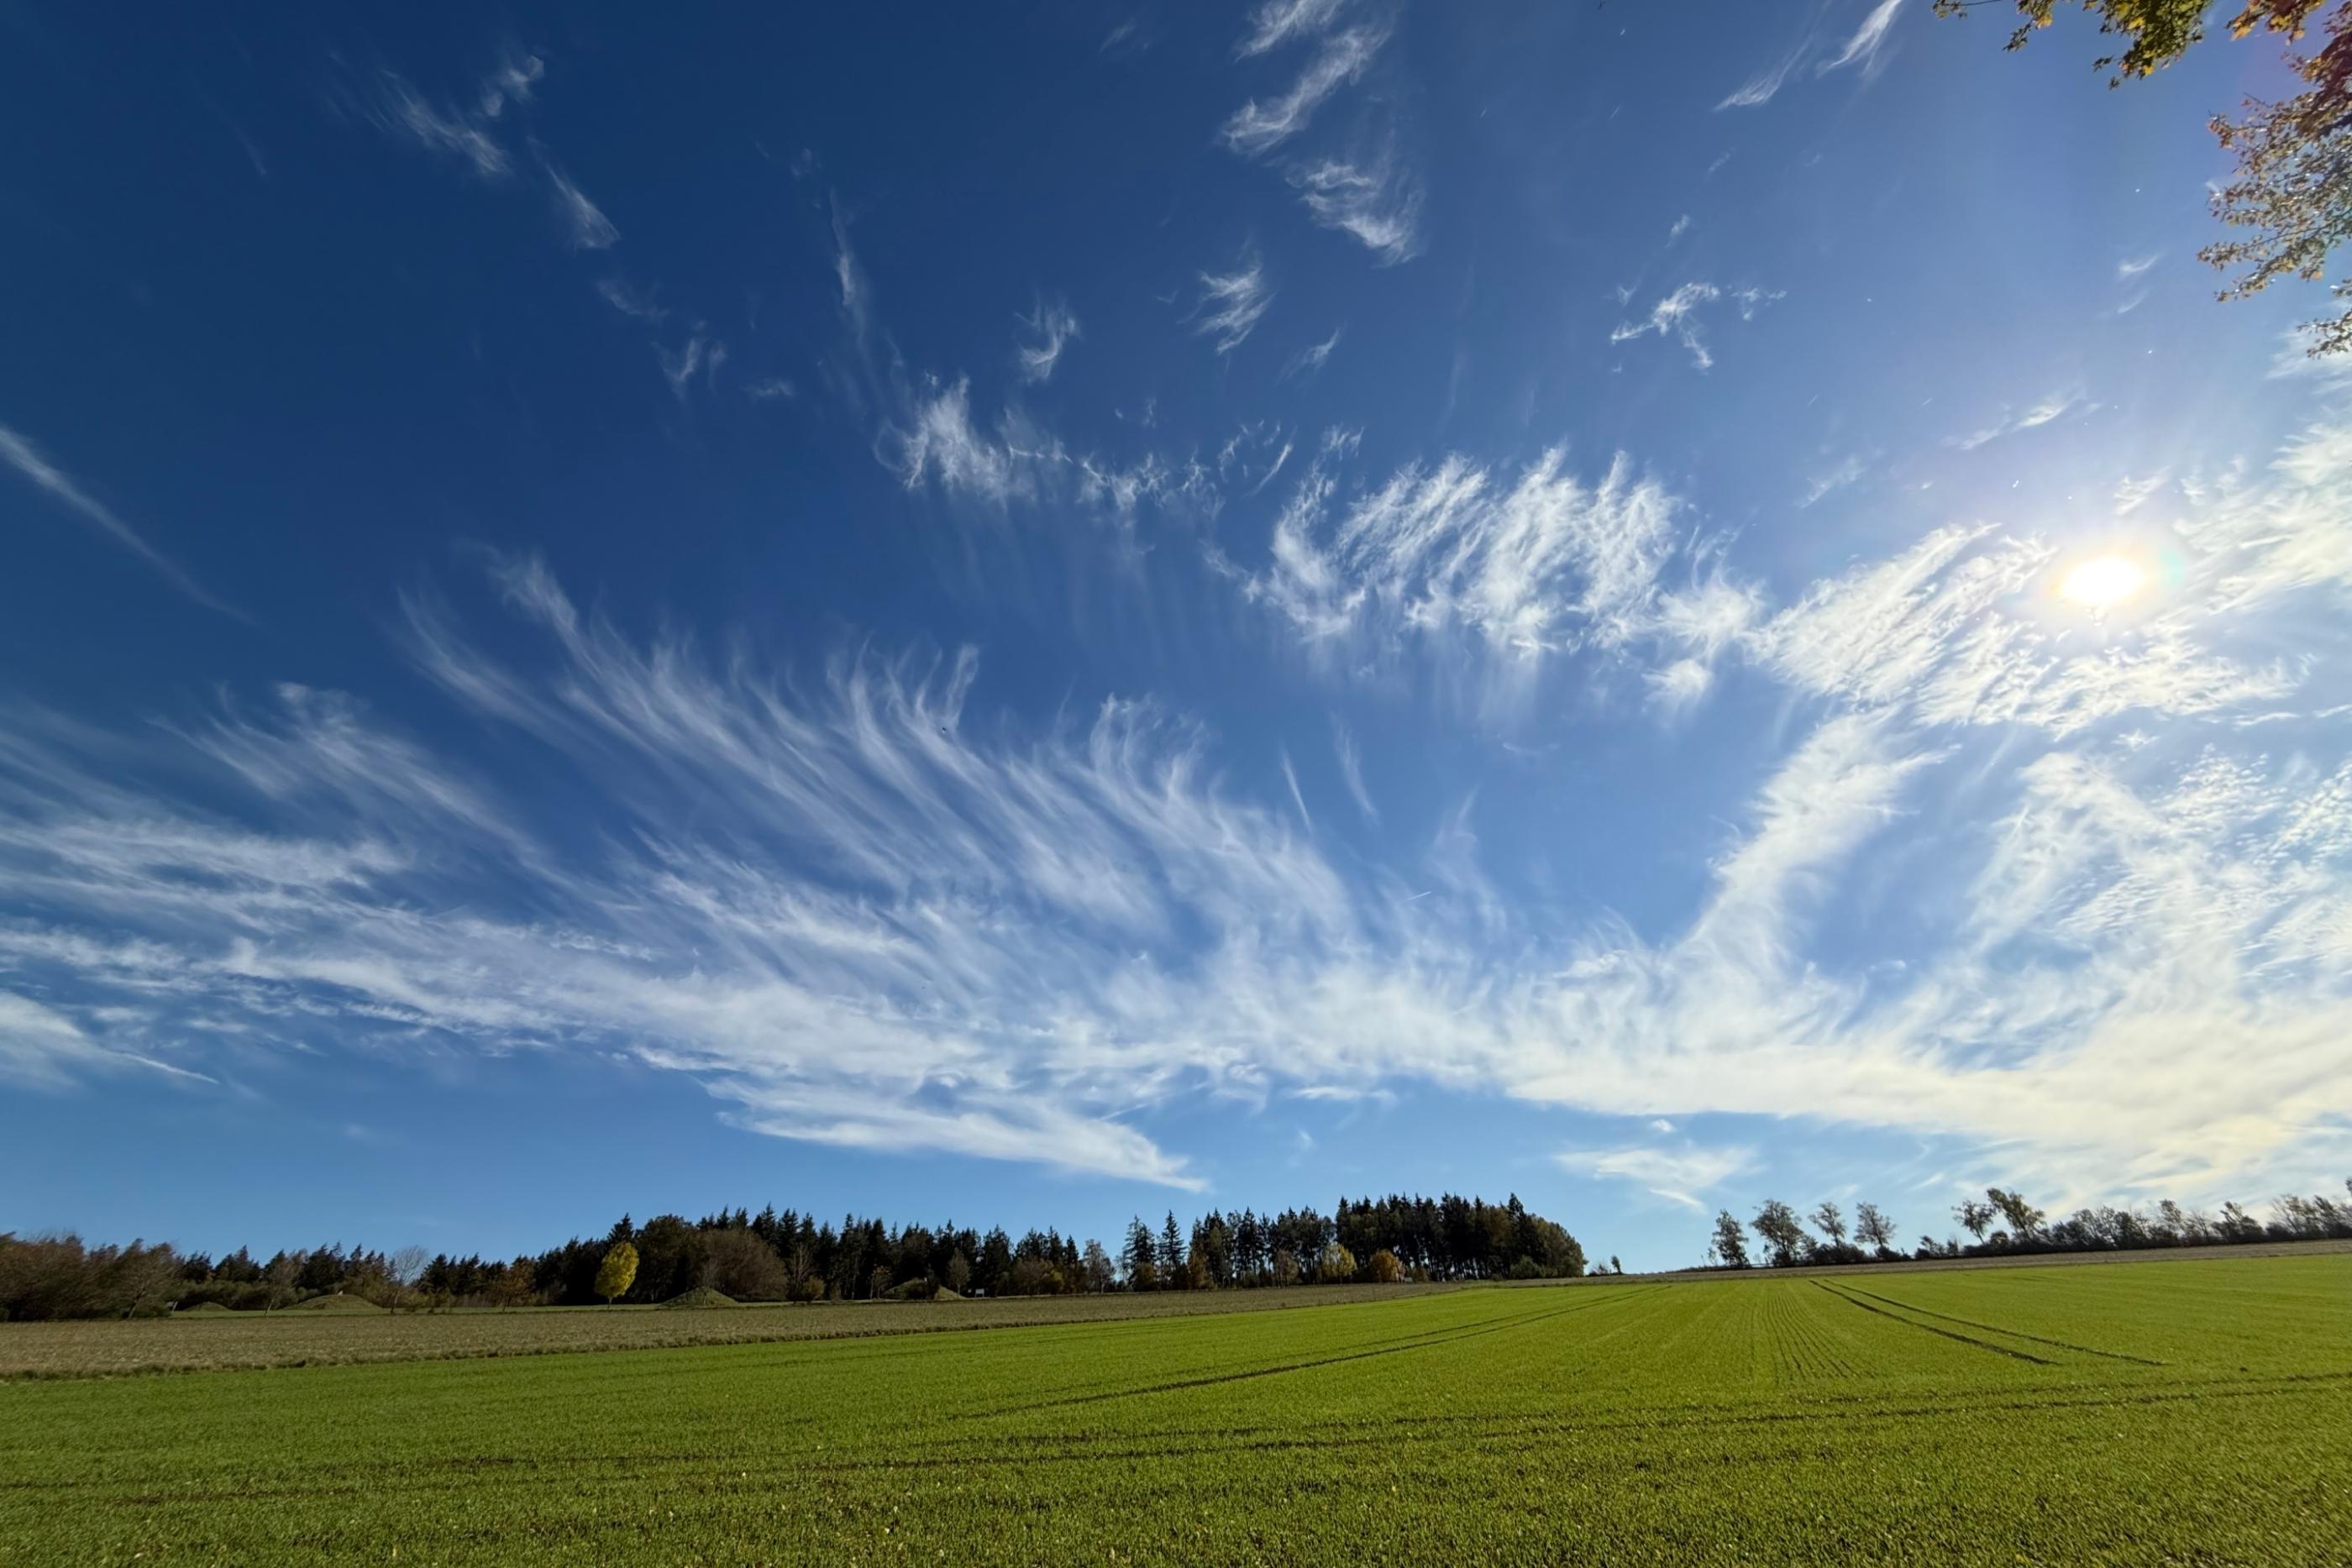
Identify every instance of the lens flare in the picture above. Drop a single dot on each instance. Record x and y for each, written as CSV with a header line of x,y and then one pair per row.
x,y
2102,582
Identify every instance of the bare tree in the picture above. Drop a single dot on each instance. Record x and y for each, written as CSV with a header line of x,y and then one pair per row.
x,y
1872,1228
1973,1216
1830,1221
405,1267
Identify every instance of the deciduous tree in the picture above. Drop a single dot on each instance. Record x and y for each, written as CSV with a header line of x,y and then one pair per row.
x,y
1729,1247
2292,187
2024,1219
617,1273
1782,1231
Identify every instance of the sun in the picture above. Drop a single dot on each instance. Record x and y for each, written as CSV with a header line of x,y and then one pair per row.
x,y
2102,582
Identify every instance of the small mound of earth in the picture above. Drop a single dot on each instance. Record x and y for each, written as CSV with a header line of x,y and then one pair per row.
x,y
703,1296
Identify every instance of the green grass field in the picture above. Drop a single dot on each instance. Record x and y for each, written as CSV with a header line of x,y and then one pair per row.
x,y
2197,1411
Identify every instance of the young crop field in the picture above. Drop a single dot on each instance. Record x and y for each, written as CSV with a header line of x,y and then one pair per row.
x,y
218,1341
2188,1412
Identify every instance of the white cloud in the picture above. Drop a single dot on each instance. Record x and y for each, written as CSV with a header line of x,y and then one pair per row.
x,y
1538,564
937,440
1375,199
699,354
1861,49
1676,316
1677,1176
1352,772
1680,684
943,444
402,110
628,301
19,452
855,292
888,923
1233,302
512,82
1051,328
1259,127
1943,632
1311,358
1274,23
41,1047
1673,317
2050,410
474,137
1761,89
590,228
1864,47
2132,267
1846,472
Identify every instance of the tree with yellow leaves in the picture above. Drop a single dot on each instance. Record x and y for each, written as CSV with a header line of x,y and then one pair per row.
x,y
617,1273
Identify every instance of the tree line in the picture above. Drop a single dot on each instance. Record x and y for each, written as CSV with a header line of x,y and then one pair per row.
x,y
790,1256
2004,1221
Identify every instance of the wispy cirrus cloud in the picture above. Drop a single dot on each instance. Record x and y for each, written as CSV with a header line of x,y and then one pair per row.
x,y
400,110
480,136
1863,46
19,452
1352,772
1496,577
888,925
1846,471
1377,201
1260,126
1677,316
936,440
1861,49
590,229
1275,23
1051,329
1313,357
699,355
1361,183
1679,1175
1232,303
2049,411
516,77
888,922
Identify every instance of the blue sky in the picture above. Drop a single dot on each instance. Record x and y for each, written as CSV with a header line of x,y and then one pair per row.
x,y
1052,612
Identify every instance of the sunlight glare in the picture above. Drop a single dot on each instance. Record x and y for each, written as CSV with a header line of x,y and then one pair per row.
x,y
2102,582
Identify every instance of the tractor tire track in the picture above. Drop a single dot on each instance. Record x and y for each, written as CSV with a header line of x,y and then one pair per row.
x,y
1930,1328
2013,1334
